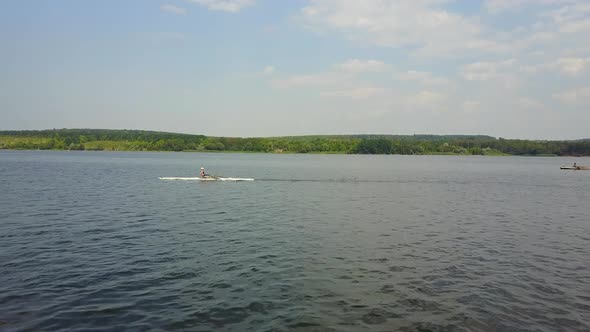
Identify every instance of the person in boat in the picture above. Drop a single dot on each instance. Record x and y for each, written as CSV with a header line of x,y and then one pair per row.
x,y
202,173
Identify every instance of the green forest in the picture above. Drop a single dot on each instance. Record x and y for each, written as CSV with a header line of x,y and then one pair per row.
x,y
141,140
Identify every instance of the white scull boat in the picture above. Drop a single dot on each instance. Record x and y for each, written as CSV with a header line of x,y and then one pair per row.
x,y
210,178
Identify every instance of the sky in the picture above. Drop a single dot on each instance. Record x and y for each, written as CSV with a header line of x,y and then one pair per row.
x,y
505,68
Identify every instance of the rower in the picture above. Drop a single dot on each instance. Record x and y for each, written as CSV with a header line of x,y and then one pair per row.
x,y
202,173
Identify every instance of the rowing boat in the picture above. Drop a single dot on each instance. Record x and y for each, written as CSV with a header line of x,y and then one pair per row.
x,y
576,168
208,178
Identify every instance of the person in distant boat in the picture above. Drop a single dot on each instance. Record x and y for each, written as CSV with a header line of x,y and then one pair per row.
x,y
574,164
202,173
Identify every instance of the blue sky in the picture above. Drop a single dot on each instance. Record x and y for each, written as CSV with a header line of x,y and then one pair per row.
x,y
507,68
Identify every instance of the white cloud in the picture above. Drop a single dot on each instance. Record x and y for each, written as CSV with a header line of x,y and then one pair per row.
x,y
170,8
359,66
483,71
530,104
357,93
498,6
535,68
572,66
232,6
268,70
344,82
388,100
310,80
571,10
342,74
575,26
424,78
578,96
420,25
428,28
571,20
426,100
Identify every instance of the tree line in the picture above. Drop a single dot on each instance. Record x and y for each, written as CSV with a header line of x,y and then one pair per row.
x,y
140,140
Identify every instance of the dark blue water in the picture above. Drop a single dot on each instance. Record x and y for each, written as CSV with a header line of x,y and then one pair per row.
x,y
95,241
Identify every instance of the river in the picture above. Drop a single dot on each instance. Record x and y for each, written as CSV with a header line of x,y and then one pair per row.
x,y
95,241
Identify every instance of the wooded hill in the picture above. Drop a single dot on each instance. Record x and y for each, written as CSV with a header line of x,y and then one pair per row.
x,y
141,140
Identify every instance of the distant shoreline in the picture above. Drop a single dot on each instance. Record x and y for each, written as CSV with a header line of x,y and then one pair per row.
x,y
294,153
141,140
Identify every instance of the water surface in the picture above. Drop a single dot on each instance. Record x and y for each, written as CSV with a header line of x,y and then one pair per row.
x,y
94,240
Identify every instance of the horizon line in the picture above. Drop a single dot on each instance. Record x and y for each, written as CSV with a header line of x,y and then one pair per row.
x,y
301,135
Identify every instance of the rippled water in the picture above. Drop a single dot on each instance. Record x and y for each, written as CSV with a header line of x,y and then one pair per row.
x,y
94,240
